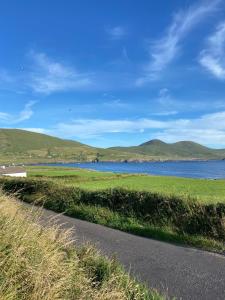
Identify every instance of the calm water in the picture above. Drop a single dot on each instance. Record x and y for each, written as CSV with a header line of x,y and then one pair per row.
x,y
193,169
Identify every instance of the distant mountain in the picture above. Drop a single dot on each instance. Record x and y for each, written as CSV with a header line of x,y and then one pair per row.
x,y
21,146
180,150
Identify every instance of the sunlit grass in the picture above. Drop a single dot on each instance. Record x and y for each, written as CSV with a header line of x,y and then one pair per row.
x,y
44,264
107,217
204,190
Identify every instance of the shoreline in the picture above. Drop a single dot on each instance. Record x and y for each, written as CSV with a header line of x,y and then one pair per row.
x,y
196,169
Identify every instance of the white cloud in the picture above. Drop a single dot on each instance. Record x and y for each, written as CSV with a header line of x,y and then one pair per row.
x,y
48,76
164,50
93,127
207,129
116,33
23,115
37,130
212,58
210,137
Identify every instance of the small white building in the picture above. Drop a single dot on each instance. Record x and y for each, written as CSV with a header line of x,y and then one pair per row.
x,y
13,171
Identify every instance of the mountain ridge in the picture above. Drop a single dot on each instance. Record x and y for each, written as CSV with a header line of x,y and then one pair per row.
x,y
178,150
22,146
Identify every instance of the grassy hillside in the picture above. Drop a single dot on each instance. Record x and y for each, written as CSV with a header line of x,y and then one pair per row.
x,y
27,146
20,146
179,150
44,264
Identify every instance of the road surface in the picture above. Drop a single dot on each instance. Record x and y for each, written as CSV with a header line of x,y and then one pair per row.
x,y
181,272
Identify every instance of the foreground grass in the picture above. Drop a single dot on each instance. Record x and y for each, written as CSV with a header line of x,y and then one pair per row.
x,y
43,264
168,218
203,190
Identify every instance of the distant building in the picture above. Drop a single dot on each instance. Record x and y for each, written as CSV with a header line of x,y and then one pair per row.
x,y
13,171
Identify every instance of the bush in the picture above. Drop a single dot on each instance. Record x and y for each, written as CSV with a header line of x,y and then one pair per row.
x,y
185,215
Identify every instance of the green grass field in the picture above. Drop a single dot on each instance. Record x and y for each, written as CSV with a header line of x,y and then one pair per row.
x,y
178,210
204,190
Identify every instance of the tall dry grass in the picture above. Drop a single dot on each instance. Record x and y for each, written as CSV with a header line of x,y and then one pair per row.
x,y
43,264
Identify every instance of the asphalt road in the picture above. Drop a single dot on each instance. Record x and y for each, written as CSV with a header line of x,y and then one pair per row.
x,y
185,273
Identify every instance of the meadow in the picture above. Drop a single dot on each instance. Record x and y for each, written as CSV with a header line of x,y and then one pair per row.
x,y
45,263
177,210
203,190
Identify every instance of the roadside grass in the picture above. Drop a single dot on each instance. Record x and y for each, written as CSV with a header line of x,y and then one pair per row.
x,y
44,263
203,190
104,216
169,218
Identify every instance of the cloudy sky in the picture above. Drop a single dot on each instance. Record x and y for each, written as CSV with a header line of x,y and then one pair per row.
x,y
114,72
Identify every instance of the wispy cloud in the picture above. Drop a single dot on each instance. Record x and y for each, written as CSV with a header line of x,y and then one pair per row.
x,y
37,130
23,115
212,58
5,77
207,129
164,50
116,33
165,113
93,127
49,76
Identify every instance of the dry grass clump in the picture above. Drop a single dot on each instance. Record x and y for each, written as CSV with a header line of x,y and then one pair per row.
x,y
43,264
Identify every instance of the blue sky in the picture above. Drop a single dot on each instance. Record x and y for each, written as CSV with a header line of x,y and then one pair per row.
x,y
114,72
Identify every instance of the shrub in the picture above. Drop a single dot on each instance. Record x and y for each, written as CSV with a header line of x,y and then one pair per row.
x,y
185,215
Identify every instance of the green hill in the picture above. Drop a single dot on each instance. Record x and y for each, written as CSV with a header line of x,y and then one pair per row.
x,y
21,146
16,140
179,150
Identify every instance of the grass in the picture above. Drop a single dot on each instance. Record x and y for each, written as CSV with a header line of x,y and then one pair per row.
x,y
105,216
203,190
23,147
44,264
179,150
171,218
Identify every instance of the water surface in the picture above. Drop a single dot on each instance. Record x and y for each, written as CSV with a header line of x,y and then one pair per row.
x,y
193,169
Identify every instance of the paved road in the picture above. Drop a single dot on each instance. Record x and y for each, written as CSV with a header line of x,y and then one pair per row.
x,y
185,273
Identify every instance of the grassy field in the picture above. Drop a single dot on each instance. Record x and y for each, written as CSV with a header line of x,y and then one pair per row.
x,y
44,264
204,190
178,210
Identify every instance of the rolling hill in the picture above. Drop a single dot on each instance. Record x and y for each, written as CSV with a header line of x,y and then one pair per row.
x,y
178,150
21,146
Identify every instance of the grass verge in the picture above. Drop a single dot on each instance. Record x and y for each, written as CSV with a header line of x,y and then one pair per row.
x,y
105,216
44,264
172,219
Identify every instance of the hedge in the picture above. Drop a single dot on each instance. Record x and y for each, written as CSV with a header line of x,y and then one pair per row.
x,y
184,215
